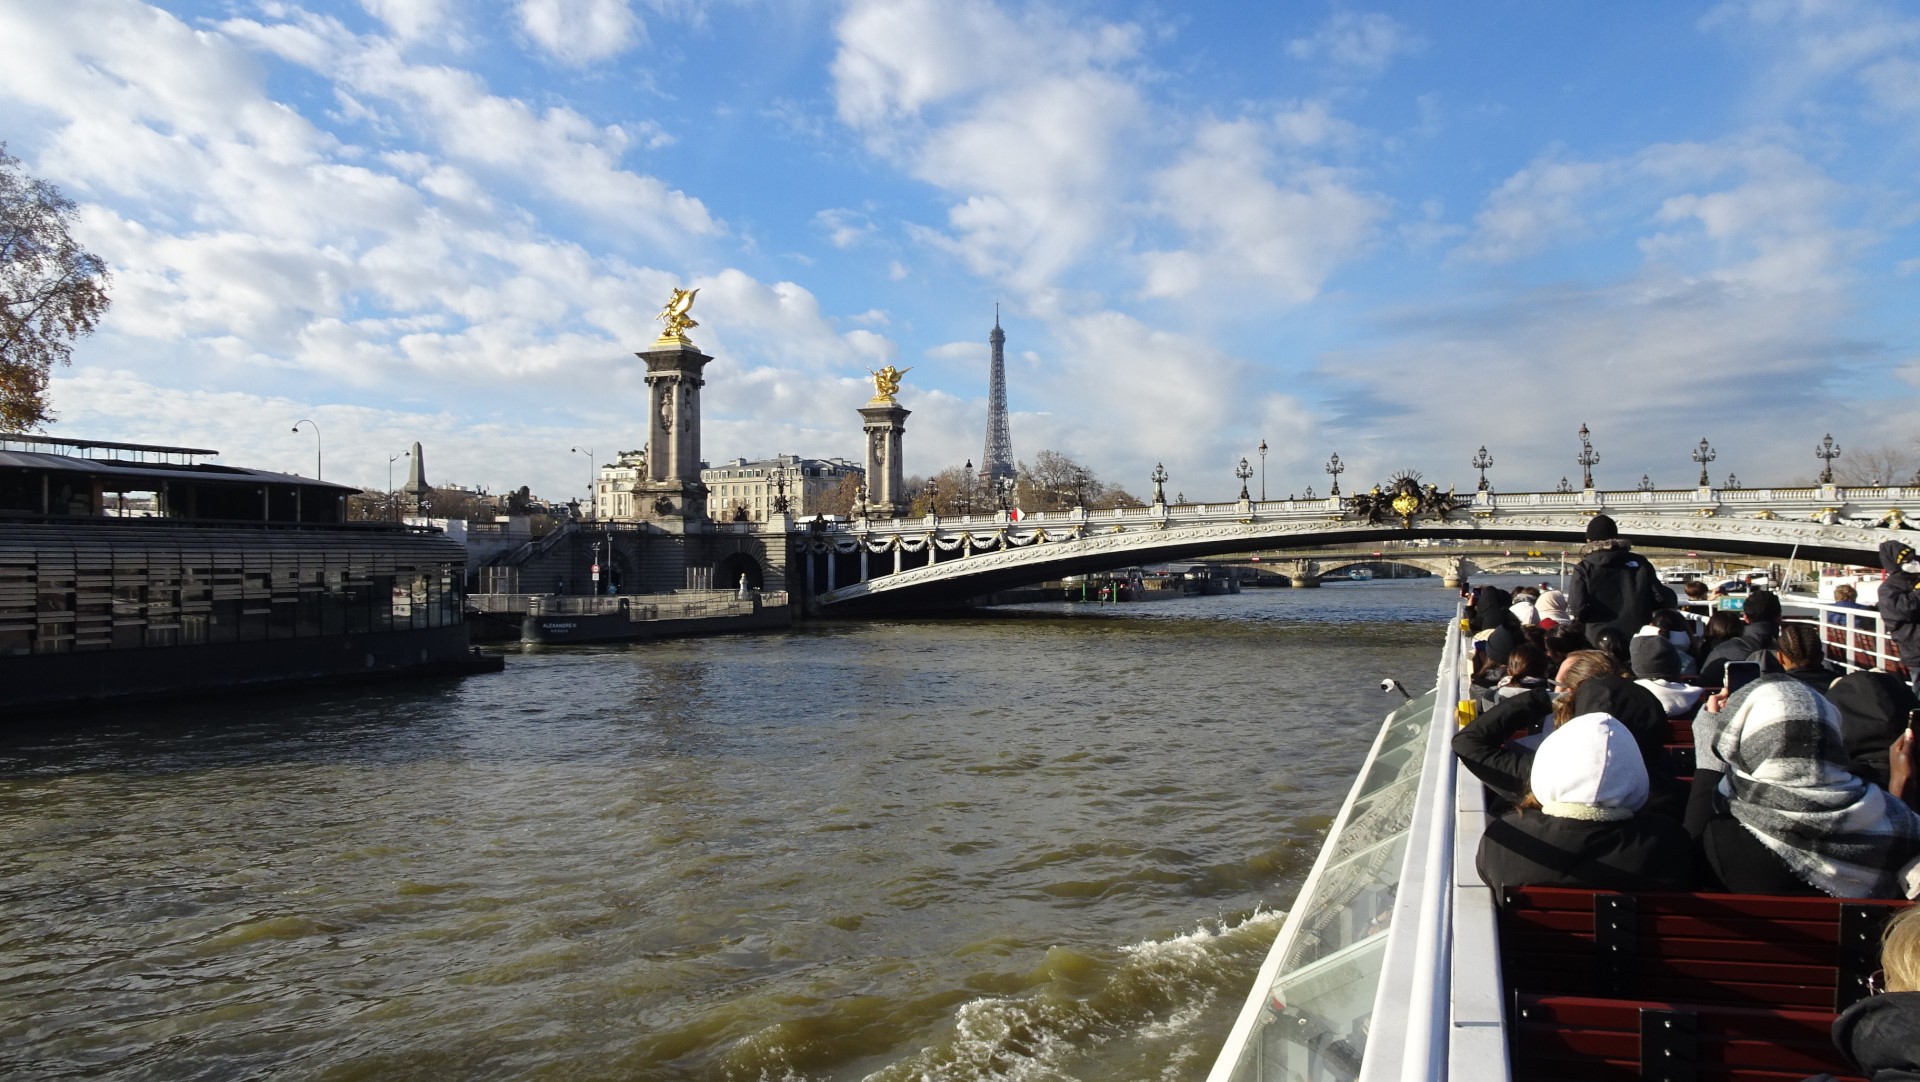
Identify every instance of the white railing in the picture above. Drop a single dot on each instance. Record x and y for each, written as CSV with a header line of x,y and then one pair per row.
x,y
1851,635
1387,966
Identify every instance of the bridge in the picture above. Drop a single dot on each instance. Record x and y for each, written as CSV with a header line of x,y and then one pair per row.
x,y
871,565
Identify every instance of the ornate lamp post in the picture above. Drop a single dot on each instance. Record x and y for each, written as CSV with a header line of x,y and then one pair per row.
x,y
1336,468
1263,471
593,502
316,446
1482,461
933,495
1826,452
1310,495
1003,488
1703,454
1565,485
1646,483
1589,458
966,489
1243,471
1180,498
1159,480
1733,481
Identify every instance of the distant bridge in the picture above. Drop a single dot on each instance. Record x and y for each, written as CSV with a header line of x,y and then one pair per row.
x,y
935,562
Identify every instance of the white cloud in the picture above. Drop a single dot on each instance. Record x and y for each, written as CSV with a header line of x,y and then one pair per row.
x,y
581,31
1288,237
845,228
413,19
1361,42
1535,208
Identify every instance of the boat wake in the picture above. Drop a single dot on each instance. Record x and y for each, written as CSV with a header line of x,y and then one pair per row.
x,y
1159,994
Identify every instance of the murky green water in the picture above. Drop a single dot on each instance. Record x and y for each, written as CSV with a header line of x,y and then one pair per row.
x,y
1043,846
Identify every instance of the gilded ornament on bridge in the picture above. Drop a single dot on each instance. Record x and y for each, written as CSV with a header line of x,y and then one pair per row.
x,y
886,383
675,316
1407,499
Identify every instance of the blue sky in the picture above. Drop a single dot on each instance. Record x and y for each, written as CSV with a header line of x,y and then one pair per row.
x,y
1395,231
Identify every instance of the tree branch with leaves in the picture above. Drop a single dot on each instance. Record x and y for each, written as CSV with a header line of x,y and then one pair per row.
x,y
52,291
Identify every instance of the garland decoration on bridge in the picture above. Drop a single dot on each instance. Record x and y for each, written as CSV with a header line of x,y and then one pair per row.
x,y
1405,498
1895,519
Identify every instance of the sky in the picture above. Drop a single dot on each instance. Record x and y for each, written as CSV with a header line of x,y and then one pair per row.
x,y
1395,231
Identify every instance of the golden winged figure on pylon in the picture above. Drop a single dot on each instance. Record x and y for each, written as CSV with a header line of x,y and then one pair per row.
x,y
675,316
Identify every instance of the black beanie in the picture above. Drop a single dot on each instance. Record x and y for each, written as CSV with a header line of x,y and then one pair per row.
x,y
1601,528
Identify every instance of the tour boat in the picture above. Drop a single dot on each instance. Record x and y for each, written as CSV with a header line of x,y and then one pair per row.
x,y
1397,962
1360,574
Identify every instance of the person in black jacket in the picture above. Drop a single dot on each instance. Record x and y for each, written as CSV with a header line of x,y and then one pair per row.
x,y
1880,1035
1900,603
1586,828
1873,713
1486,745
1612,586
1762,616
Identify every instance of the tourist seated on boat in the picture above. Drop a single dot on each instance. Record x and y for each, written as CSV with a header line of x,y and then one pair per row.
x,y
1553,609
1496,747
1803,656
1564,642
1761,626
1582,824
1775,810
1492,622
1880,1035
1681,630
1873,713
1526,671
1723,626
1657,667
1526,613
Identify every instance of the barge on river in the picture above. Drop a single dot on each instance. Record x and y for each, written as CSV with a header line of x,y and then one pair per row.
x,y
1397,962
134,571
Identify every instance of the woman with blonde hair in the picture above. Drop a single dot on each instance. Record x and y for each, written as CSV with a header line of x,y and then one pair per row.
x,y
1880,1035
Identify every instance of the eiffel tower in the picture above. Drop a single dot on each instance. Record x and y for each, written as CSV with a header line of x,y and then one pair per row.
x,y
997,461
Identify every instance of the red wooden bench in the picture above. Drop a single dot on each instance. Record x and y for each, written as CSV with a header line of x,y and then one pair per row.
x,y
1582,1039
1810,954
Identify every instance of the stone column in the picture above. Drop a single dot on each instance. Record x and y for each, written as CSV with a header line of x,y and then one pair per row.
x,y
672,494
885,425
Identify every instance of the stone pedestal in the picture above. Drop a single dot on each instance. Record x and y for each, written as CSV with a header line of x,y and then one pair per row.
x,y
885,423
672,495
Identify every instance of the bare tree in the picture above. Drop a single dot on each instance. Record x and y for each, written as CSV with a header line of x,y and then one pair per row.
x,y
51,292
1888,464
840,500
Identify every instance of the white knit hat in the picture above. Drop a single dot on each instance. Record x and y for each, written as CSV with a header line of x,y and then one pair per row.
x,y
1590,768
1526,613
1553,606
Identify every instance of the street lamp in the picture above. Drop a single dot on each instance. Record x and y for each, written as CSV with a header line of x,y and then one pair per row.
x,y
1733,481
593,502
966,488
1482,461
1309,495
1243,471
1336,468
933,495
393,505
1263,471
1703,454
316,446
1180,498
1826,452
1003,489
1646,483
1159,480
1565,485
1589,458
780,502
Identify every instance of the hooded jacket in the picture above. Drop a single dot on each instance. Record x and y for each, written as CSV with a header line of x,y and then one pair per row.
x,y
1757,637
1873,712
1656,662
1613,586
1880,1036
1900,603
1589,830
1483,747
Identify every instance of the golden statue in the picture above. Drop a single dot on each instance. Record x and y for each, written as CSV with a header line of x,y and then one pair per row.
x,y
675,316
886,382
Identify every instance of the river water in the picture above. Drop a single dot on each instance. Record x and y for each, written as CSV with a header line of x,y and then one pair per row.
x,y
1041,844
